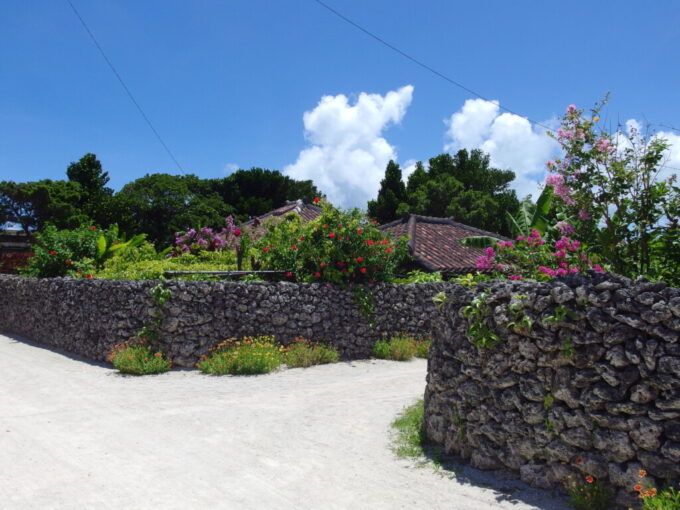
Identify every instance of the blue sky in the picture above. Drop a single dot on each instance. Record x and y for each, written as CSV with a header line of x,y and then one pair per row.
x,y
226,83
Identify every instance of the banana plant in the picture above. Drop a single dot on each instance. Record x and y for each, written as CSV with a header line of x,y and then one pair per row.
x,y
108,245
530,216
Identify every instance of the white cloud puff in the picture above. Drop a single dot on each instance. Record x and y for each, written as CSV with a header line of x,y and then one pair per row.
x,y
348,154
230,168
511,141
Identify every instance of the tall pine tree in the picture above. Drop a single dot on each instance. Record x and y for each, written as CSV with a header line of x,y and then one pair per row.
x,y
392,193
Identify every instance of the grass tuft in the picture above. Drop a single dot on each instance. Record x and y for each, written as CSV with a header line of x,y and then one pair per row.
x,y
137,359
303,353
409,439
243,356
401,348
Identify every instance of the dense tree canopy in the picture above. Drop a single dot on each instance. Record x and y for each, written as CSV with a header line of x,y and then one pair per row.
x,y
463,186
158,204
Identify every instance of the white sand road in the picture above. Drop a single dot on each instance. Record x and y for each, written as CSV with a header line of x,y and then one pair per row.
x,y
77,435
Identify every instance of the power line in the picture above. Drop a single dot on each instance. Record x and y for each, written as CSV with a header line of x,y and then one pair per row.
x,y
420,63
127,90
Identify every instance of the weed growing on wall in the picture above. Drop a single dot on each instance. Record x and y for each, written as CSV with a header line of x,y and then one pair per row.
x,y
363,297
478,332
243,356
138,359
304,353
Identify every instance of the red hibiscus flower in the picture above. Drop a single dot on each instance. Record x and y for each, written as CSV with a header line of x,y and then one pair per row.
x,y
93,228
362,270
388,250
265,249
88,276
317,200
331,235
323,264
340,263
370,242
289,275
68,262
301,238
80,271
590,479
294,247
360,231
317,274
359,259
52,252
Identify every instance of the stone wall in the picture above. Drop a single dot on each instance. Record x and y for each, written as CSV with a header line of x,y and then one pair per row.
x,y
89,317
584,380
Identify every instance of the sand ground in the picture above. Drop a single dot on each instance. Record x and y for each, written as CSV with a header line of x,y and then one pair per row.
x,y
78,435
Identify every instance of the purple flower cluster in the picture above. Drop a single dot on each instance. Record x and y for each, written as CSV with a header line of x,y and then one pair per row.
x,y
560,188
207,239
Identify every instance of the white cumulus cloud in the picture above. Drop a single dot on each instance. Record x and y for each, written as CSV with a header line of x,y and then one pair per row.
x,y
511,141
348,154
230,168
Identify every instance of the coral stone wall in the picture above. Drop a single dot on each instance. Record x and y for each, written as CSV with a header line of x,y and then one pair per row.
x,y
583,380
89,317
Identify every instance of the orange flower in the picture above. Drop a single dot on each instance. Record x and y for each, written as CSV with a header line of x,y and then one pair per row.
x,y
637,488
642,473
651,492
578,460
590,479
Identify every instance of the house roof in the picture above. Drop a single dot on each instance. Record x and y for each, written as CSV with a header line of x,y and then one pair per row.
x,y
435,242
306,211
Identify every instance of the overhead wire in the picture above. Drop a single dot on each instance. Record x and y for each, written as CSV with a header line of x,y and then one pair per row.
x,y
125,87
421,63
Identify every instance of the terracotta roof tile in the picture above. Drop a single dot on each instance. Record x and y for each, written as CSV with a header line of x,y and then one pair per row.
x,y
435,242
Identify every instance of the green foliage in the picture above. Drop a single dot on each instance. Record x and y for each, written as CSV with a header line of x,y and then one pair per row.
x,y
392,193
363,297
149,266
567,349
71,252
520,322
665,499
341,247
244,356
409,440
470,280
463,186
418,276
548,402
151,331
423,348
591,495
459,422
439,300
303,353
138,359
397,348
560,312
478,332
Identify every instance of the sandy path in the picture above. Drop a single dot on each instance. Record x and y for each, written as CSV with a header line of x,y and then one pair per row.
x,y
78,435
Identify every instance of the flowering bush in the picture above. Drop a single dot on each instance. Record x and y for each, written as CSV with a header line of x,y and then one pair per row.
x,y
75,252
137,359
609,188
339,247
207,239
653,499
591,495
531,257
243,356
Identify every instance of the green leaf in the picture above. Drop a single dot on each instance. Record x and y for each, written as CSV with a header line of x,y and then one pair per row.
x,y
101,247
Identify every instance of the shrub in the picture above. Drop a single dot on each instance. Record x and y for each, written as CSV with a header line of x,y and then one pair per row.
x,y
341,247
147,266
137,359
423,348
76,253
244,356
398,348
418,276
303,353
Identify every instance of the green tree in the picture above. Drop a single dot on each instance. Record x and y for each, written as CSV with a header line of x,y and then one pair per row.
x,y
96,199
34,204
391,194
464,186
162,204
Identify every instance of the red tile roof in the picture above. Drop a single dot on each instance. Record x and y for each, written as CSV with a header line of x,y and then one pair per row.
x,y
435,242
307,211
